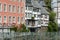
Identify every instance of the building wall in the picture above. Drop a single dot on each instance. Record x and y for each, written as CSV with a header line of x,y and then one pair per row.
x,y
44,20
14,9
29,13
56,8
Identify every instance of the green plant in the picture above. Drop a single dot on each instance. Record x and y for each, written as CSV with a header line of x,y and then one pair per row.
x,y
14,28
23,29
52,26
32,17
52,16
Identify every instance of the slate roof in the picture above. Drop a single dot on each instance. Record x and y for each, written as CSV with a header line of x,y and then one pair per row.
x,y
35,4
42,3
43,11
39,5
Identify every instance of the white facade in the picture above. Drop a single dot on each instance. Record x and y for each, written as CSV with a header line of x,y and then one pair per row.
x,y
39,13
56,8
32,11
44,20
29,13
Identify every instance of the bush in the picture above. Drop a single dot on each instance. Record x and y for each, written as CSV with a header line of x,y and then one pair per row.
x,y
23,29
32,17
14,28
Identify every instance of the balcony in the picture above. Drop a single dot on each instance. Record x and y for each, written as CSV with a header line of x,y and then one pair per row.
x,y
35,26
36,18
44,24
42,18
39,13
46,19
28,11
27,18
36,13
32,24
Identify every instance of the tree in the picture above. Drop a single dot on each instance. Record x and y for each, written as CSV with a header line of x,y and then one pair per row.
x,y
23,28
52,16
52,26
48,4
14,28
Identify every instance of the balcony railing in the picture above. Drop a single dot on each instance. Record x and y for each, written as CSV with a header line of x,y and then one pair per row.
x,y
34,26
28,11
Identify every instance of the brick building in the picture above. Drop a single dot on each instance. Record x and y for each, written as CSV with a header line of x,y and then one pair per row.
x,y
11,12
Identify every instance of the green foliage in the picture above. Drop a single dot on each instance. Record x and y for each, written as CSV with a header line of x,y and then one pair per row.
x,y
32,17
52,16
14,28
48,4
23,29
52,26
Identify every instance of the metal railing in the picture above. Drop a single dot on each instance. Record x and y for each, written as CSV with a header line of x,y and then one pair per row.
x,y
30,36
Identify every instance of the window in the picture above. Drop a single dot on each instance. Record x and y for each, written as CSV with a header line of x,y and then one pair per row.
x,y
18,0
27,23
13,19
58,4
18,19
4,18
0,18
55,9
59,15
18,9
41,16
34,15
10,21
46,23
30,8
10,8
5,8
26,7
39,22
10,18
45,16
36,9
29,15
21,9
22,18
0,7
14,9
